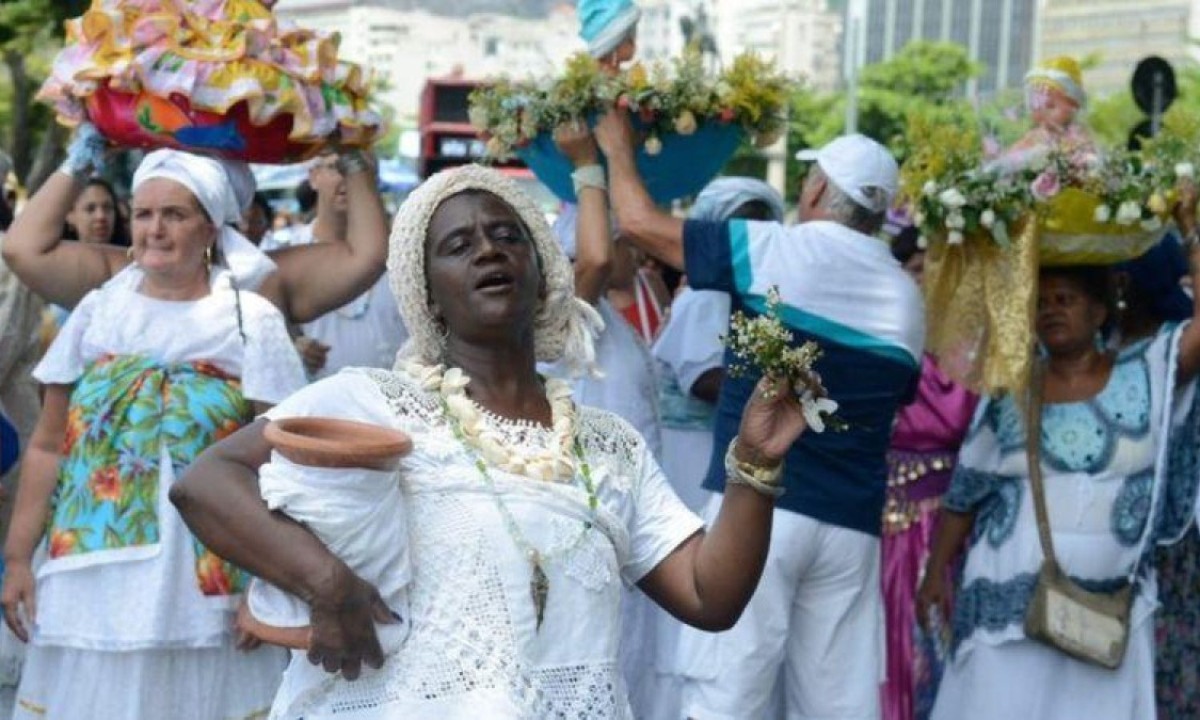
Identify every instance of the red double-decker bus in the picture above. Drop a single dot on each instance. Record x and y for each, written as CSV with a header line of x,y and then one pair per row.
x,y
447,138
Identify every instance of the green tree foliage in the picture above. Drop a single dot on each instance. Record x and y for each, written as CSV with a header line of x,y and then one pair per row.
x,y
30,31
925,77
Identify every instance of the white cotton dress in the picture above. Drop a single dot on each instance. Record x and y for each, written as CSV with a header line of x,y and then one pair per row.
x,y
474,649
136,639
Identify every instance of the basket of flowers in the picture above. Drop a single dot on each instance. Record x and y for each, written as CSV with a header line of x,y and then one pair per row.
x,y
989,223
692,121
222,78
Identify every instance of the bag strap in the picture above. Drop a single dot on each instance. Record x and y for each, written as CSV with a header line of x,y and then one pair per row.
x,y
1033,451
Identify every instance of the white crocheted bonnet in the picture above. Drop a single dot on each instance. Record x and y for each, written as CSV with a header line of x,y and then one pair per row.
x,y
565,327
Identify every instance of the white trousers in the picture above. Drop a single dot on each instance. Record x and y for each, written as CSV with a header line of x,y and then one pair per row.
x,y
815,621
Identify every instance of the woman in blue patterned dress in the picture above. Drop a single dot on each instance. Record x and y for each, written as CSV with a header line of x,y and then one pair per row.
x,y
1118,449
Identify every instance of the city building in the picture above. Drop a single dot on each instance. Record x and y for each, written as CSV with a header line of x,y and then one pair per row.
x,y
999,34
404,47
1116,34
803,36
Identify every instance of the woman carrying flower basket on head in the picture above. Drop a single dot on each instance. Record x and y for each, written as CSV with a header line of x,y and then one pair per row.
x,y
526,511
218,78
129,617
1116,438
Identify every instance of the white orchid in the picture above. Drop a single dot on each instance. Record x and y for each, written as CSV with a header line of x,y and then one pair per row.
x,y
815,409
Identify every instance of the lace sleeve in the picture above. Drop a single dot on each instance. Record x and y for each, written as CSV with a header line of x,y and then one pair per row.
x,y
271,368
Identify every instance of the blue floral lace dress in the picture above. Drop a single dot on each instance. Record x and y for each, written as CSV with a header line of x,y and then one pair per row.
x,y
1120,474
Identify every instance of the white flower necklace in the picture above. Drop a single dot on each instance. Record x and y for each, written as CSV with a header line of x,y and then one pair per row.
x,y
487,446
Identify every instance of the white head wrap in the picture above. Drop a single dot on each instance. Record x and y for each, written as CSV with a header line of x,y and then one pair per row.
x,y
208,181
564,326
723,196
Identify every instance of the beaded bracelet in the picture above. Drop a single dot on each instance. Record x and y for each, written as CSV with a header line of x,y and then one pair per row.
x,y
589,176
761,480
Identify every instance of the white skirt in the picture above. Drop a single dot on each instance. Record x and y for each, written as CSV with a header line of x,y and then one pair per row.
x,y
1029,680
220,683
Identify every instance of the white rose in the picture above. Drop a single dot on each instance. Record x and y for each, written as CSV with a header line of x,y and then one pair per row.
x,y
987,218
952,198
954,237
1185,170
1128,213
956,221
653,146
929,189
1102,214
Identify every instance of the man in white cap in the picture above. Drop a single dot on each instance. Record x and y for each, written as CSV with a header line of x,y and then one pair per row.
x,y
816,619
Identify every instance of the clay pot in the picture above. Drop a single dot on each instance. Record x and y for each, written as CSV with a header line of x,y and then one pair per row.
x,y
297,638
333,443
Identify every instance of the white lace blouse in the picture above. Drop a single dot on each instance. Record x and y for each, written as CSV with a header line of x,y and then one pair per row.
x,y
474,649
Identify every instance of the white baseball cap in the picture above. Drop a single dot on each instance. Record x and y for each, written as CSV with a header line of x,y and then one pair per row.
x,y
855,163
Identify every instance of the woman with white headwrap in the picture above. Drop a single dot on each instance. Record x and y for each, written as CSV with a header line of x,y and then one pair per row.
x,y
304,283
128,617
526,512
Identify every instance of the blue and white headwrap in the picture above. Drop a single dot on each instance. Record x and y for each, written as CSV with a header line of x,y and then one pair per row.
x,y
723,196
605,24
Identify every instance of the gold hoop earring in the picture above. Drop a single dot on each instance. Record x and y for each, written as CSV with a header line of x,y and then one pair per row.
x,y
208,253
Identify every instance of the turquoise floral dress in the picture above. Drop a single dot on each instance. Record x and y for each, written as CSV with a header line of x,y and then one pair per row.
x,y
123,589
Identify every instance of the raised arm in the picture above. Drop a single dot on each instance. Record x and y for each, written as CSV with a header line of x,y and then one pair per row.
x,y
1189,343
707,581
593,238
39,476
219,500
61,271
658,233
318,278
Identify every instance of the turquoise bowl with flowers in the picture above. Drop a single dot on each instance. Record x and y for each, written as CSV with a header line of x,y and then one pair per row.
x,y
681,168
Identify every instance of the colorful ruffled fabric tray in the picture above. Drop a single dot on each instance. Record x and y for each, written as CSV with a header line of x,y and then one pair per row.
x,y
217,76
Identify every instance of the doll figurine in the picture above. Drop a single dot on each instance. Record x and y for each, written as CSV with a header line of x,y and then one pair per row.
x,y
1055,98
609,27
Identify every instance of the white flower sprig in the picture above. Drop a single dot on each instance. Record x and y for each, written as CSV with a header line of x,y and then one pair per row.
x,y
765,344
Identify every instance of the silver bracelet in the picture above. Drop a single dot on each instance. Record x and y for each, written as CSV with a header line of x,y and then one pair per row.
x,y
589,176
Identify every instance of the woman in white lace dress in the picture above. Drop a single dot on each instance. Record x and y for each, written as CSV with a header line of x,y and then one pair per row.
x,y
525,512
127,616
